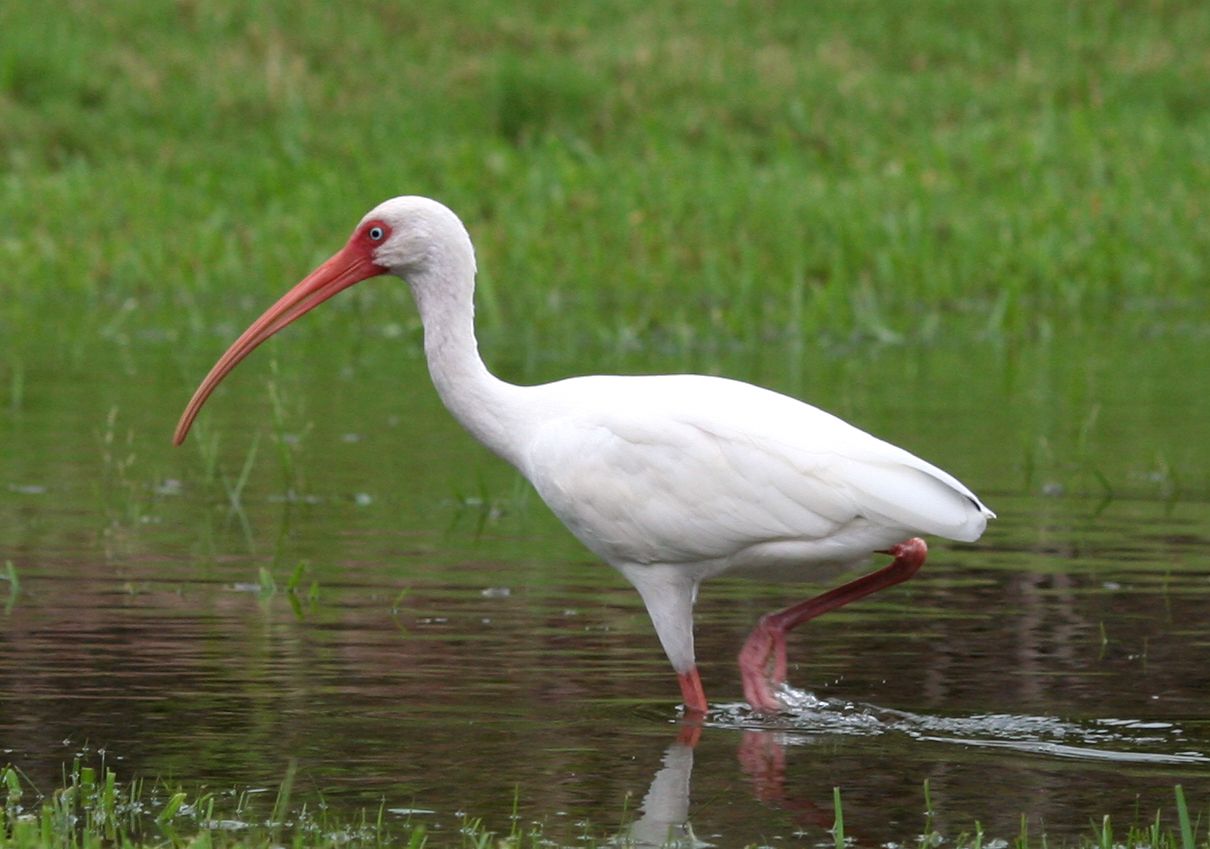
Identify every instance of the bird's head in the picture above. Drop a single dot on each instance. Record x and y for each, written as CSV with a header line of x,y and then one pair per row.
x,y
407,235
410,237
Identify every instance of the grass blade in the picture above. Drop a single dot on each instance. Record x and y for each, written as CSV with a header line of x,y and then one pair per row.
x,y
838,822
1182,815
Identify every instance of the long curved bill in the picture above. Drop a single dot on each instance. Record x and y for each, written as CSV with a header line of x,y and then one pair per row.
x,y
348,266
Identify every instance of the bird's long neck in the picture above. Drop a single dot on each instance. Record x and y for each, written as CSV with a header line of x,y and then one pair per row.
x,y
485,405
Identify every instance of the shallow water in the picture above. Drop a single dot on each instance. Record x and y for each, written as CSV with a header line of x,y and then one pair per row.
x,y
448,648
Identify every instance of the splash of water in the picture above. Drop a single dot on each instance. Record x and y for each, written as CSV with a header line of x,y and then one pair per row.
x,y
1103,739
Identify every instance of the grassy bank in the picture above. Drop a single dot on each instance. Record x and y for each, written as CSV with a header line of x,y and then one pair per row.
x,y
754,172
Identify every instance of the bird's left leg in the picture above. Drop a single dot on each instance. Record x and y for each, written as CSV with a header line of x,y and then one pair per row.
x,y
692,693
669,593
762,661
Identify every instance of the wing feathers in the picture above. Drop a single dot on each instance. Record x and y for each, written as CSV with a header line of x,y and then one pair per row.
x,y
696,468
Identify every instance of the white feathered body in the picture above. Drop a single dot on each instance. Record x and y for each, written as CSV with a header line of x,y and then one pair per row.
x,y
716,474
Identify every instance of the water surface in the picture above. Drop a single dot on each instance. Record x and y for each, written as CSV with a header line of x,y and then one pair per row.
x,y
447,647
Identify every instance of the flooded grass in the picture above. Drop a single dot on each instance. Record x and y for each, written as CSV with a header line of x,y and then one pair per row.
x,y
9,575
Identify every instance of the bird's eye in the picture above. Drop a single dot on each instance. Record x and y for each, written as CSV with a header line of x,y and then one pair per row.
x,y
376,234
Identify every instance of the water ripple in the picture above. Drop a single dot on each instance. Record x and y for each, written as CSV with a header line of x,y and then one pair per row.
x,y
1105,739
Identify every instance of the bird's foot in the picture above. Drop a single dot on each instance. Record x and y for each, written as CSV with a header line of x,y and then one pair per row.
x,y
762,666
762,661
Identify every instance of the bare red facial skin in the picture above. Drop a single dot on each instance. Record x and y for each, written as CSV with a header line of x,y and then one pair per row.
x,y
351,264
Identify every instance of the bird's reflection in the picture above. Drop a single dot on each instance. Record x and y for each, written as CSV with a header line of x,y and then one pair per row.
x,y
664,812
762,757
762,753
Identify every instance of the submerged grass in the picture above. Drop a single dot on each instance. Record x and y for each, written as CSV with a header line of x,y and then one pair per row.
x,y
92,808
9,575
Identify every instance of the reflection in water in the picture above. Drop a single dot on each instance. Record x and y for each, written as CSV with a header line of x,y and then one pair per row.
x,y
664,815
455,697
762,756
665,812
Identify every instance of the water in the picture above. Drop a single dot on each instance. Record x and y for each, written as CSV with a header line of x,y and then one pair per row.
x,y
388,605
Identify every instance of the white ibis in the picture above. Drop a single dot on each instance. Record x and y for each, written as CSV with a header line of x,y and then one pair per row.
x,y
671,479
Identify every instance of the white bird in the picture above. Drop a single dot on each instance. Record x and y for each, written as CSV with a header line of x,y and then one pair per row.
x,y
671,479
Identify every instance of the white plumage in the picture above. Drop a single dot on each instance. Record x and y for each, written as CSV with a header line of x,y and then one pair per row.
x,y
669,478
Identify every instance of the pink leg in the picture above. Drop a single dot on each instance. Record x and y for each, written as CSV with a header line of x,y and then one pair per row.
x,y
692,693
762,661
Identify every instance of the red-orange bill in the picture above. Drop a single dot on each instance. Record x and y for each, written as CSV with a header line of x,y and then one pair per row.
x,y
350,265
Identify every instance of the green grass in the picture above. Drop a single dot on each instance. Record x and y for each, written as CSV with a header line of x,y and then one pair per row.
x,y
92,808
674,174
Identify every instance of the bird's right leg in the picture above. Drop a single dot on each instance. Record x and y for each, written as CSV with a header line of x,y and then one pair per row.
x,y
762,661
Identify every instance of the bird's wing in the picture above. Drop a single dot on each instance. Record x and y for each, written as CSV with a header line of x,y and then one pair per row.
x,y
686,468
672,493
